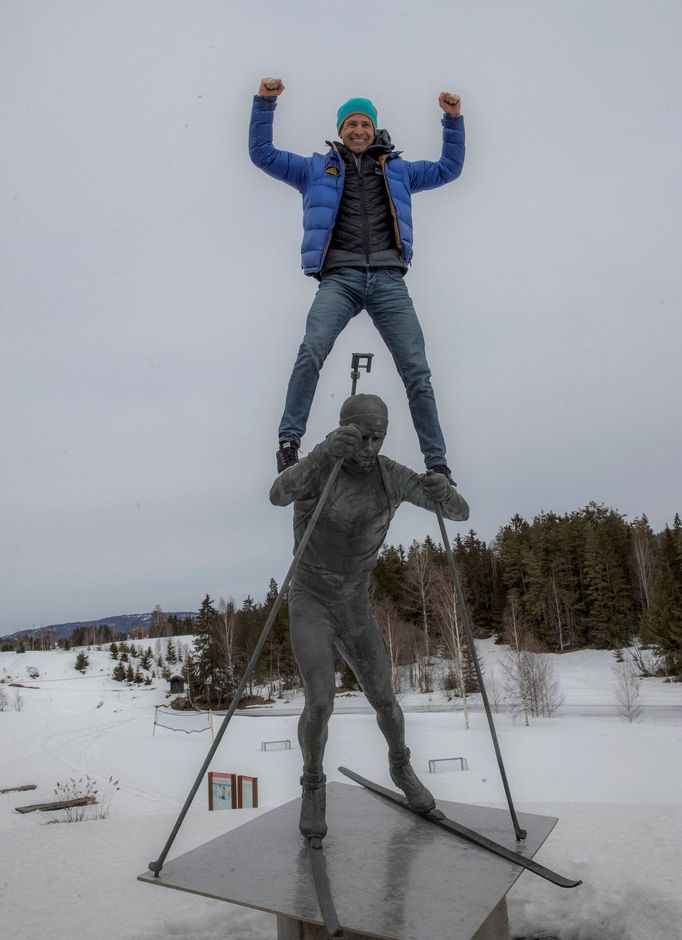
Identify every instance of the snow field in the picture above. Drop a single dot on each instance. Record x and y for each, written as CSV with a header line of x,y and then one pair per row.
x,y
613,785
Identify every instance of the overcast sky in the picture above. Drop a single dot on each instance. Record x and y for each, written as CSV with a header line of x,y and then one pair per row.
x,y
152,300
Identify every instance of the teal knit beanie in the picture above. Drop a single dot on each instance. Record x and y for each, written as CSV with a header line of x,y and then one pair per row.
x,y
356,106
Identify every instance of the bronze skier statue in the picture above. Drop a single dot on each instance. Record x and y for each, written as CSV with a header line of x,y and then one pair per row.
x,y
329,594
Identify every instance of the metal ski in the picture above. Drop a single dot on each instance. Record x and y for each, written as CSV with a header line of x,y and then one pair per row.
x,y
323,888
440,819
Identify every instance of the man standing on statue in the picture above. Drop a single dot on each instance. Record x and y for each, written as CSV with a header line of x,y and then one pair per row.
x,y
329,594
357,241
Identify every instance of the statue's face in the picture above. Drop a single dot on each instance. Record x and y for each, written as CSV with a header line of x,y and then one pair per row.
x,y
373,434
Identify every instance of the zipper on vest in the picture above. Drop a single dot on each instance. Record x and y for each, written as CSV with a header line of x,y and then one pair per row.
x,y
382,163
363,207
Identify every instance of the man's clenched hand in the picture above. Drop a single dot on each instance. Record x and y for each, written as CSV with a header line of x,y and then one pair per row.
x,y
271,87
344,441
451,104
436,486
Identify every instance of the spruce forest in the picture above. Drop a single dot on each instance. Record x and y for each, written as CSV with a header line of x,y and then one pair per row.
x,y
588,578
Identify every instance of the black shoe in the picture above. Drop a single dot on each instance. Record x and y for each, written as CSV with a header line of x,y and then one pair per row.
x,y
287,455
445,470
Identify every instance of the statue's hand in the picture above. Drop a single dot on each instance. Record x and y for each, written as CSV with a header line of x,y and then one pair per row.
x,y
436,486
344,441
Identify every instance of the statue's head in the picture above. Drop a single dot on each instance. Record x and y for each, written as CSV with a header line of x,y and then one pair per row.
x,y
369,414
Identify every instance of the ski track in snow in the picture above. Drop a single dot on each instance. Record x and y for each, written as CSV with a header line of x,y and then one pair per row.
x,y
82,750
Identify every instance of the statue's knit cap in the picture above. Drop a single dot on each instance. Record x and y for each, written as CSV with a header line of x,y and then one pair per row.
x,y
367,409
356,106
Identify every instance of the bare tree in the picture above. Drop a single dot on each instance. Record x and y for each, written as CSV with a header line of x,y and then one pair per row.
x,y
496,695
394,632
419,572
561,611
643,559
530,680
627,689
226,632
159,625
647,661
454,638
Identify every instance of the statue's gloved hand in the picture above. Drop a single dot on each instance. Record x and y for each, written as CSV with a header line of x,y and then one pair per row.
x,y
344,441
436,486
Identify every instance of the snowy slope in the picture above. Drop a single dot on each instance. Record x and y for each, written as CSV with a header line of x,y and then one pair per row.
x,y
614,786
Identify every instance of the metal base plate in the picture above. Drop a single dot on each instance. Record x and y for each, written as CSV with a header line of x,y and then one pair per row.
x,y
394,876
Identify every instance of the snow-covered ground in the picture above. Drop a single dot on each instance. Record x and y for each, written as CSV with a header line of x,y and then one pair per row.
x,y
615,787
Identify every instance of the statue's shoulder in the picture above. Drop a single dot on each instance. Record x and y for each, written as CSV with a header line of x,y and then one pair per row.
x,y
392,466
398,479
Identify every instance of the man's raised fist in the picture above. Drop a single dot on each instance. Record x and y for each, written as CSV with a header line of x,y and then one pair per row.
x,y
271,87
450,103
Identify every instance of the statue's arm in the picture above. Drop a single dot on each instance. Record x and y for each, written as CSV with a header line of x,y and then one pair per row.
x,y
428,490
305,479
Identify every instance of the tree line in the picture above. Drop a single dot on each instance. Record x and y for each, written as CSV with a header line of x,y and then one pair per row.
x,y
588,578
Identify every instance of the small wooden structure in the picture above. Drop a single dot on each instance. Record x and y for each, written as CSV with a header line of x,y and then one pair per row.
x,y
177,685
26,786
59,804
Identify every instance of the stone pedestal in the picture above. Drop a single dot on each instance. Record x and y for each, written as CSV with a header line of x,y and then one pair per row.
x,y
496,927
393,875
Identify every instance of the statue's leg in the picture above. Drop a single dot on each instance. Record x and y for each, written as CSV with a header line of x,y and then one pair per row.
x,y
363,647
312,639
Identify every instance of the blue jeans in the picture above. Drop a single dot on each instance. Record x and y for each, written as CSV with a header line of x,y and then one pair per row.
x,y
342,294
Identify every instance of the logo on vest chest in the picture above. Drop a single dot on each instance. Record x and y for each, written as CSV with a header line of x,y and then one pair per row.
x,y
332,170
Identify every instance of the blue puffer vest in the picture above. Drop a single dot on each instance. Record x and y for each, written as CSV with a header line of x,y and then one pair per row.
x,y
320,179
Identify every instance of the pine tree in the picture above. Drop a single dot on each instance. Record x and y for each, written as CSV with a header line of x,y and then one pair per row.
x,y
677,538
662,623
130,673
119,672
249,625
82,662
277,659
608,587
214,683
171,656
390,572
113,650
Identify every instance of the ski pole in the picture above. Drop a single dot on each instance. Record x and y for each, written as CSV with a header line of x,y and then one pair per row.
x,y
158,864
520,833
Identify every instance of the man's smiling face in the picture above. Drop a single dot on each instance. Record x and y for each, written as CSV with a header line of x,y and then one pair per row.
x,y
357,132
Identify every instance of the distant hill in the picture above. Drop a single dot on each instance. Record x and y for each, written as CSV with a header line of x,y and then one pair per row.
x,y
120,623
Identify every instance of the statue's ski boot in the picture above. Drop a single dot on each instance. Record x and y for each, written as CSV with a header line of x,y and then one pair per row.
x,y
313,824
403,776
